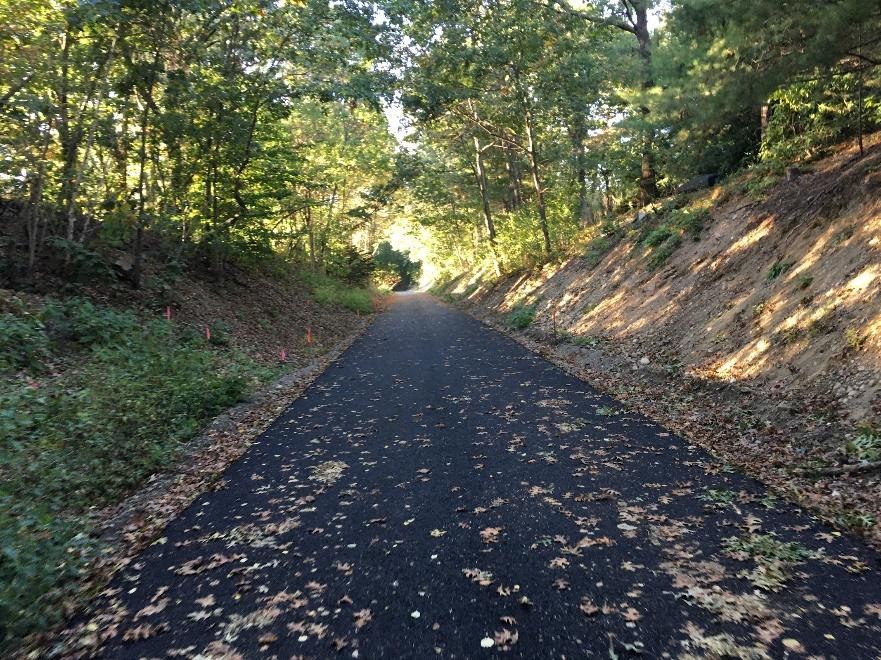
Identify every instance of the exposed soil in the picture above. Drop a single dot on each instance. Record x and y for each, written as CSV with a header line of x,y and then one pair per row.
x,y
773,373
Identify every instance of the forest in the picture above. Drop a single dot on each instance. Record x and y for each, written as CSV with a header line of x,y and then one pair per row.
x,y
343,147
254,133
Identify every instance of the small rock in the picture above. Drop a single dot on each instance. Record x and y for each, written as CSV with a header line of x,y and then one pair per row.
x,y
644,360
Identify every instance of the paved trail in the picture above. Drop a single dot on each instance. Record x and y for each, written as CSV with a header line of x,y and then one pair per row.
x,y
442,491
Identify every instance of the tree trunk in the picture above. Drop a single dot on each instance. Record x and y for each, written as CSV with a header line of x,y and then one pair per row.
x,y
648,187
310,230
532,150
79,168
138,246
480,175
608,189
514,179
764,118
580,168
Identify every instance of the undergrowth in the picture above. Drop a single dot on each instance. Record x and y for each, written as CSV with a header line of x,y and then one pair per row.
x,y
329,291
92,402
599,246
663,230
521,316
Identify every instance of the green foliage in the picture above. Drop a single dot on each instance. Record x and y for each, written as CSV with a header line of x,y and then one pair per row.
x,y
663,230
220,333
865,447
808,117
718,499
23,342
77,263
395,268
521,316
854,339
778,268
599,246
352,266
856,521
41,556
78,320
773,558
662,252
89,436
657,236
330,291
690,221
768,546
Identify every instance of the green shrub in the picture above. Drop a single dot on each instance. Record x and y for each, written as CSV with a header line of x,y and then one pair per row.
x,y
41,557
778,268
220,333
330,291
89,437
866,447
610,235
79,320
657,236
77,263
661,253
351,266
521,316
690,221
23,342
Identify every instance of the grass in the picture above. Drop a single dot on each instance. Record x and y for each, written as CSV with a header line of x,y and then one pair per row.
x,y
101,401
854,340
329,291
663,252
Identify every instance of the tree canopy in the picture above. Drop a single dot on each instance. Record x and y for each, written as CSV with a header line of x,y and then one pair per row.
x,y
253,132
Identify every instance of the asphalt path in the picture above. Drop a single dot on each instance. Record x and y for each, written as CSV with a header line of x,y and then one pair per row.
x,y
441,491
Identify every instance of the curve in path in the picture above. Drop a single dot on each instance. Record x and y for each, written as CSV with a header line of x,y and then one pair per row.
x,y
442,491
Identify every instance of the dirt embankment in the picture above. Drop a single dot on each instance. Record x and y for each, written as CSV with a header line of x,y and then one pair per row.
x,y
761,340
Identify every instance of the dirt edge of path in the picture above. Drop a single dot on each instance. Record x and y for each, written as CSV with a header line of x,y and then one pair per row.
x,y
130,526
709,415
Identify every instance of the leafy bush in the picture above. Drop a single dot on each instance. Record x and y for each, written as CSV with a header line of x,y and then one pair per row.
x,y
77,263
521,316
657,236
351,266
41,556
220,333
396,266
79,320
89,437
690,221
23,342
